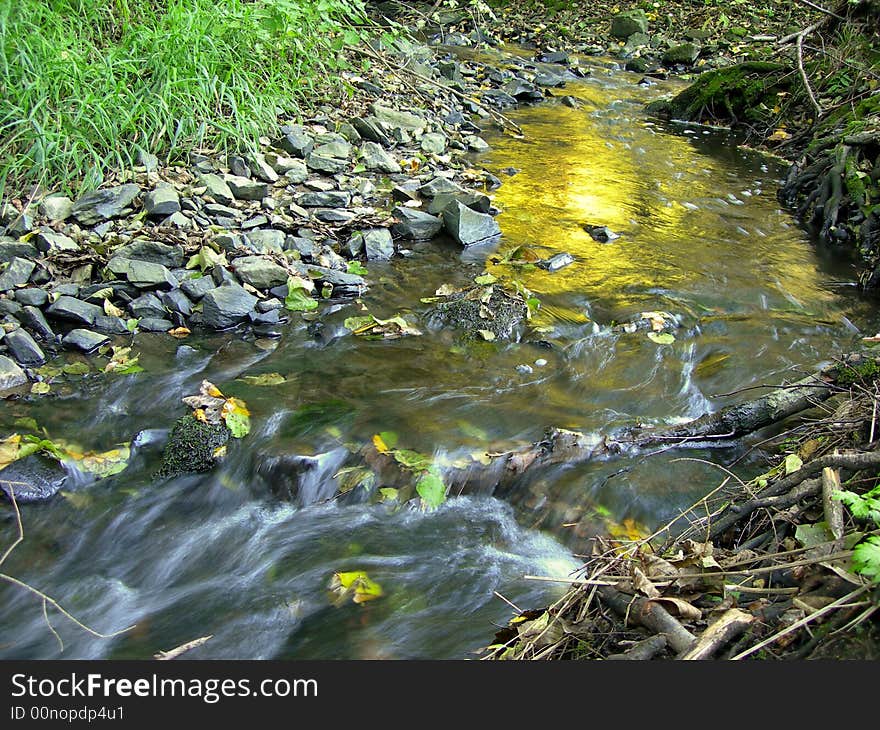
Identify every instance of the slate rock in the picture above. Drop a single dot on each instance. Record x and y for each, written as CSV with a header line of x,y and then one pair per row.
x,y
16,274
415,224
49,241
439,185
196,288
468,226
243,188
176,301
147,305
378,244
262,170
102,205
23,348
296,142
330,199
155,324
370,129
33,296
217,188
472,199
395,118
334,215
11,375
154,252
265,239
259,271
10,249
34,319
143,274
684,54
624,24
35,478
74,310
110,325
84,340
376,158
56,208
162,201
323,163
226,306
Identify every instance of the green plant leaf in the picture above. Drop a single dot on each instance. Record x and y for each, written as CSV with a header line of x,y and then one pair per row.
x,y
485,279
661,338
265,379
355,267
432,490
487,335
298,300
411,459
793,462
866,559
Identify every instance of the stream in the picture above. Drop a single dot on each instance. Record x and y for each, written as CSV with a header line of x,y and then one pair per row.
x,y
701,237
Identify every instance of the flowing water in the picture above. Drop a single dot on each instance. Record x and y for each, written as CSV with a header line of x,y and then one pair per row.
x,y
701,237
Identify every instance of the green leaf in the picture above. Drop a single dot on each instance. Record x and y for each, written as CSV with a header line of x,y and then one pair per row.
x,y
355,267
389,438
866,559
411,459
389,494
206,258
40,388
298,300
76,368
356,585
432,490
661,338
485,279
356,323
487,335
106,463
265,379
793,462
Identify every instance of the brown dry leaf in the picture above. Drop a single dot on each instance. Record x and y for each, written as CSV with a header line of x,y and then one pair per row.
x,y
643,584
657,567
179,332
682,608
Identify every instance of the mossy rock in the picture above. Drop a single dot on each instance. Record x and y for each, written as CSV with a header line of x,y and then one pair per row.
x,y
500,315
192,447
727,94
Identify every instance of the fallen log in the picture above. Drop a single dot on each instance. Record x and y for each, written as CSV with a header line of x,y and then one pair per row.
x,y
649,614
731,624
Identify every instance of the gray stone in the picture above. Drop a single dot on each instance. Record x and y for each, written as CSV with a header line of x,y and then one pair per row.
x,y
305,246
153,251
33,318
49,241
243,188
238,166
147,305
296,142
376,158
9,249
547,78
334,215
473,200
176,301
35,478
337,147
11,375
282,164
8,306
265,239
434,143
20,225
399,119
439,185
226,306
559,57
369,129
331,199
523,90
101,205
16,274
467,226
74,310
259,271
217,188
349,132
624,24
143,274
84,340
111,325
69,289
23,348
196,288
297,174
56,208
415,224
684,54
267,305
378,244
477,144
218,210
180,221
154,324
147,160
162,202
343,283
34,297
262,170
331,165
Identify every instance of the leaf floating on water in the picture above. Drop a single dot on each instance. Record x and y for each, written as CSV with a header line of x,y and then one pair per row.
x,y
298,300
355,585
10,450
40,388
179,332
355,267
373,327
78,500
432,490
661,338
76,368
487,335
237,417
266,379
106,463
485,279
122,363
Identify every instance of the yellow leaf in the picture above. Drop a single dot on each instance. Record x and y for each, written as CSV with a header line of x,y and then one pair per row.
x,y
355,584
234,405
380,445
199,415
179,332
219,452
212,390
778,136
9,449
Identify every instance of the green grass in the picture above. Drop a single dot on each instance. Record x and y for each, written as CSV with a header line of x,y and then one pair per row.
x,y
85,84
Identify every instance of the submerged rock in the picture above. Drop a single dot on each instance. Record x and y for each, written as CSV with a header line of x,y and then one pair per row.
x,y
11,375
414,224
192,447
468,226
34,478
501,314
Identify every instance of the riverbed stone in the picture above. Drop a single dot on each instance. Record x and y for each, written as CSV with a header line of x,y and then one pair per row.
x,y
20,224
472,199
11,375
146,305
176,301
397,119
336,146
226,306
439,185
110,325
468,226
16,274
56,208
376,243
244,188
33,296
343,283
162,201
624,24
143,274
196,288
35,478
10,248
155,252
296,142
33,318
374,157
23,348
259,271
334,215
154,324
192,447
84,340
683,53
325,163
370,129
264,240
330,199
216,188
104,204
261,169
74,310
49,241
415,224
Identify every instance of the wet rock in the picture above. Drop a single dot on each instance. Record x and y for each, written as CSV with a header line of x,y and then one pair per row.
x,y
34,478
649,321
34,319
546,78
154,324
146,305
243,188
477,144
376,158
636,65
33,297
56,208
343,283
376,243
334,215
304,246
439,185
397,119
259,271
473,200
522,90
11,375
296,142
467,226
17,274
601,234
162,202
433,143
84,340
216,188
102,205
499,98
560,57
143,274
330,199
557,262
571,102
683,54
49,241
264,240
153,251
500,315
23,348
9,249
110,325
74,310
624,24
226,306
176,301
192,447
415,224
196,288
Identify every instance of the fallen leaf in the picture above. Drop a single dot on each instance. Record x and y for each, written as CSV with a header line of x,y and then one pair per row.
x,y
682,608
266,379
661,338
356,585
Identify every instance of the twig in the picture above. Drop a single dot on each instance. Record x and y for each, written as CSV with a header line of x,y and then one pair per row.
x,y
508,602
803,73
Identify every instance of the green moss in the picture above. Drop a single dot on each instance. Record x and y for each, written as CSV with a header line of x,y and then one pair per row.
x,y
192,447
863,372
500,315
